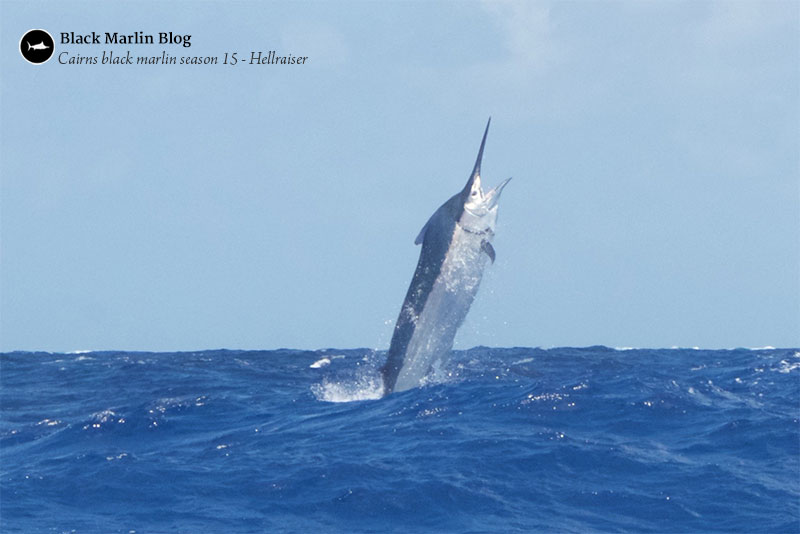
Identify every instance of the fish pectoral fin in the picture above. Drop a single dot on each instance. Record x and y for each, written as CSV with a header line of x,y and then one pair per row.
x,y
488,249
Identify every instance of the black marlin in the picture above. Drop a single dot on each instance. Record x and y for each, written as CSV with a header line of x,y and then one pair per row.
x,y
456,244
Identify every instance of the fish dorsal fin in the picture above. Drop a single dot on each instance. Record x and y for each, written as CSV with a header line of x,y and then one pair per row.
x,y
421,235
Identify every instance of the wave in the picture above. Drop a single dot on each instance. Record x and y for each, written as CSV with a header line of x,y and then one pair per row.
x,y
497,439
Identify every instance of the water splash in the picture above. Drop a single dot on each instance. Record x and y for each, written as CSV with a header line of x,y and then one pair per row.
x,y
364,387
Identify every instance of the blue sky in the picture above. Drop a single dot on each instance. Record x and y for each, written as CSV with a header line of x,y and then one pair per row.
x,y
654,150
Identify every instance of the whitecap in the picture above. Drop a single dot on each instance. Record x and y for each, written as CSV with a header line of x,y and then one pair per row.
x,y
320,363
49,422
786,367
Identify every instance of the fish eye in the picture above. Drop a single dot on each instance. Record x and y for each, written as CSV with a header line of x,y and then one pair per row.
x,y
474,193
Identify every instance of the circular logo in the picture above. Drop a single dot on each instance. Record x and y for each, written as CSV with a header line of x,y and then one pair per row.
x,y
36,46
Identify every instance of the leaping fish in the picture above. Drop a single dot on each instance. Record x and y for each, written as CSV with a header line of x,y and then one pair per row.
x,y
456,244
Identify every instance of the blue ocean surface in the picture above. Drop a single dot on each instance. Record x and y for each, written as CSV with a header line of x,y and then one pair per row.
x,y
499,440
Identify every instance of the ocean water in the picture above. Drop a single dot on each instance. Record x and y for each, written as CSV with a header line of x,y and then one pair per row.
x,y
499,440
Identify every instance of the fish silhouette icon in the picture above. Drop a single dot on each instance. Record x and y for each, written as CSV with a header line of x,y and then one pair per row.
x,y
40,46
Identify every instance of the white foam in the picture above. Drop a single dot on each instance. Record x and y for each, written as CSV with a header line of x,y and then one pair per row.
x,y
366,387
320,363
543,397
430,412
49,422
104,417
786,367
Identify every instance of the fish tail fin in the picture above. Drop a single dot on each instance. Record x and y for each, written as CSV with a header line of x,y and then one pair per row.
x,y
29,45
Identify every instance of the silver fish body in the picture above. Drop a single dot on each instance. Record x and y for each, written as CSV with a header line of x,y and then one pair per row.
x,y
456,246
